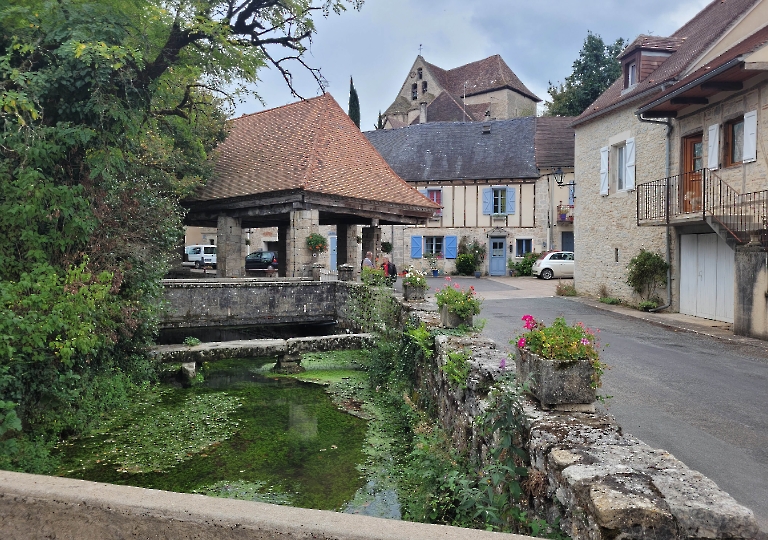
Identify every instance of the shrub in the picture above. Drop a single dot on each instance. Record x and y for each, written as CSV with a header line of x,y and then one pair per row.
x,y
647,305
524,267
465,264
373,276
463,303
386,247
565,289
646,272
457,367
610,300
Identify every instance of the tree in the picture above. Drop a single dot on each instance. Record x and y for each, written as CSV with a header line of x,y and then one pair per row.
x,y
354,104
110,112
593,72
379,123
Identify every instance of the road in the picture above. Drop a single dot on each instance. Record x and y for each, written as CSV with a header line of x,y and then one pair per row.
x,y
703,399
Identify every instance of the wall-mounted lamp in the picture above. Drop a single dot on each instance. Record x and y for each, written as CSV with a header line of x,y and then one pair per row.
x,y
559,175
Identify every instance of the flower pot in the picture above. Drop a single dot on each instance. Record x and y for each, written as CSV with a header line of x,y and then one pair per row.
x,y
563,385
413,292
448,319
478,273
435,273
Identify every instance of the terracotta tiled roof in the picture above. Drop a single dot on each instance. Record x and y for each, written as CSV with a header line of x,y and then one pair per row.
x,y
311,145
485,75
694,37
445,151
652,43
554,142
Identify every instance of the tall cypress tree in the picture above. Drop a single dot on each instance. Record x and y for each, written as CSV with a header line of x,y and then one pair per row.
x,y
379,123
354,104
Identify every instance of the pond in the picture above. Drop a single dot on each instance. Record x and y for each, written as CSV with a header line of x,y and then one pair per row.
x,y
242,433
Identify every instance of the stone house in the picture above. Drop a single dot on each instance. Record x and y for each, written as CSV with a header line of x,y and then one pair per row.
x,y
484,90
671,159
495,183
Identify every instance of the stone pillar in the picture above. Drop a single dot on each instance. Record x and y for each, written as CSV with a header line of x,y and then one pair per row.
x,y
347,247
230,261
282,250
298,258
750,310
372,240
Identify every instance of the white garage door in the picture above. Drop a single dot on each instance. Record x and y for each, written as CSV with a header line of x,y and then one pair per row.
x,y
706,277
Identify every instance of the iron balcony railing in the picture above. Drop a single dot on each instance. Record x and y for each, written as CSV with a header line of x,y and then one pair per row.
x,y
565,213
703,195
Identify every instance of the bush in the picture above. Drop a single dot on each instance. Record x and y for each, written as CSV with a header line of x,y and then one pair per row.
x,y
647,305
386,247
646,272
465,264
524,267
564,289
610,300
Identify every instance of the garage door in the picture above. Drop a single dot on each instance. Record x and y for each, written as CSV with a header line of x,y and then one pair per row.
x,y
706,277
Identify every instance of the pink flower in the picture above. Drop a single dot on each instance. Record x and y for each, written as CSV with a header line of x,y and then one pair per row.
x,y
529,325
456,286
503,363
447,278
584,341
521,343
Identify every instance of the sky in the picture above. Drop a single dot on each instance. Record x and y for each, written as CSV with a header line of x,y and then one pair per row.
x,y
539,40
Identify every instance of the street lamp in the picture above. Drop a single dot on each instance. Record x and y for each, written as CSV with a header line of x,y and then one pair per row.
x,y
559,176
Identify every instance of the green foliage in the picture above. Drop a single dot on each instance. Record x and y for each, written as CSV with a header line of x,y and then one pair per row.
x,y
610,300
190,341
565,289
477,250
593,72
524,267
457,367
558,341
373,277
423,338
379,122
464,303
317,243
646,272
415,278
354,105
386,247
647,305
465,264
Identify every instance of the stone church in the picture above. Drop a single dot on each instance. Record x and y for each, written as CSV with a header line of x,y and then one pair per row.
x,y
484,90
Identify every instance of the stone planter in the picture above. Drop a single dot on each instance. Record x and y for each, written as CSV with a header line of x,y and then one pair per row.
x,y
346,272
449,319
557,385
412,292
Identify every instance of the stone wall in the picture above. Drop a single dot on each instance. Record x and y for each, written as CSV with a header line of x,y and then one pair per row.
x,y
599,482
751,305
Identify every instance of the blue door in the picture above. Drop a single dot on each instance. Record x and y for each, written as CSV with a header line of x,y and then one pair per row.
x,y
498,261
333,251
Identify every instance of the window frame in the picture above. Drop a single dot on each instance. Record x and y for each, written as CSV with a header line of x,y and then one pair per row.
x,y
730,143
517,246
436,196
631,74
433,242
423,87
414,92
500,194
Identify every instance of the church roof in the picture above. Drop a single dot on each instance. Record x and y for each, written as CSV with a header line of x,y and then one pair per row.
x,y
311,146
444,151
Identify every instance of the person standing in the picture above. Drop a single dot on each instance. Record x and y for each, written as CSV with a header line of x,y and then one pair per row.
x,y
390,271
368,261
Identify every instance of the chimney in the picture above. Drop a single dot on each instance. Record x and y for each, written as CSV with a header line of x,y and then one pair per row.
x,y
423,112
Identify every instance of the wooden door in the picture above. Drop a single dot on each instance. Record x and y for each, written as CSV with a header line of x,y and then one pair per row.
x,y
693,162
498,263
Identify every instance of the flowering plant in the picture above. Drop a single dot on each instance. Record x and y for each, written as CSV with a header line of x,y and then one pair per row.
x,y
462,302
415,278
558,341
317,242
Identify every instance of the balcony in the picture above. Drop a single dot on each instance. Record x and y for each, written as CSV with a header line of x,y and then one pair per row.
x,y
565,213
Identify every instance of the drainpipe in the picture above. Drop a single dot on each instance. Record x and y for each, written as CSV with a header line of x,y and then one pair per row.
x,y
669,233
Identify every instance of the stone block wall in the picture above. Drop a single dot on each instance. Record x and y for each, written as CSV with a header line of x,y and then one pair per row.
x,y
751,305
599,482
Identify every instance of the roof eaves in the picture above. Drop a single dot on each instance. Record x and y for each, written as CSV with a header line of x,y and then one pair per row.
x,y
621,103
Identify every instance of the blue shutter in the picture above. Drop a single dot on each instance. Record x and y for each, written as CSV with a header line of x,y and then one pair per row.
x,y
511,200
416,247
487,201
571,195
450,247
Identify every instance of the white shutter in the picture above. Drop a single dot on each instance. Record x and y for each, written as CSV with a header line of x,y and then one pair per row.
x,y
713,147
630,158
750,137
604,170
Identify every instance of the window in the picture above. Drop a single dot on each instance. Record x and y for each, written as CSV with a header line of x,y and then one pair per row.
x,y
436,196
423,87
632,74
620,170
734,141
420,73
617,167
433,245
414,92
524,245
499,200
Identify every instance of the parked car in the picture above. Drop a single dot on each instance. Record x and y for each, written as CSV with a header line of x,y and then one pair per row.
x,y
259,261
554,264
200,255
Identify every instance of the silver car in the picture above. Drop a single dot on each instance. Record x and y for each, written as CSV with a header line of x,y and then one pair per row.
x,y
554,264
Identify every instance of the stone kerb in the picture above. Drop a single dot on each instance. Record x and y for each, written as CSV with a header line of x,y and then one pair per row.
x,y
598,481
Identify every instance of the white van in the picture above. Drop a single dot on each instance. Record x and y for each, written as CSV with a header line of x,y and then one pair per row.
x,y
200,255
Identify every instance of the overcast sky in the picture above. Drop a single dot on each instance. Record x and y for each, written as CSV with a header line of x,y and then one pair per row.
x,y
538,39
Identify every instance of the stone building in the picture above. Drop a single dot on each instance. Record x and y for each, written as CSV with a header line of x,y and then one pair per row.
x,y
671,159
495,183
484,90
303,168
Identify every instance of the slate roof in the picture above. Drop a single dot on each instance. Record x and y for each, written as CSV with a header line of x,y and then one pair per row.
x,y
310,145
443,151
694,37
554,142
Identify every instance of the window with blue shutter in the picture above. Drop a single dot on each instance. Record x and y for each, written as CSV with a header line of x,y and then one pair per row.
x,y
451,243
511,200
487,201
416,249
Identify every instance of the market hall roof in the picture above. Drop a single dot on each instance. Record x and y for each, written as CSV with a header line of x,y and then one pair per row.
x,y
304,155
493,150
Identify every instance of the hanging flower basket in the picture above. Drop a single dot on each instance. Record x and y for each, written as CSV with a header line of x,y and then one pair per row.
x,y
317,243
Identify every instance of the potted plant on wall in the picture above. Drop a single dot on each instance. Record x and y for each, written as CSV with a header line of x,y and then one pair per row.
x,y
317,243
414,284
560,362
432,262
457,306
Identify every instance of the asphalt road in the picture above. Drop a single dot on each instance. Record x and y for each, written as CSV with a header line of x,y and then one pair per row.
x,y
703,399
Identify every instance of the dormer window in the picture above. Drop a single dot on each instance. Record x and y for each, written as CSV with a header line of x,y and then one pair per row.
x,y
632,74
